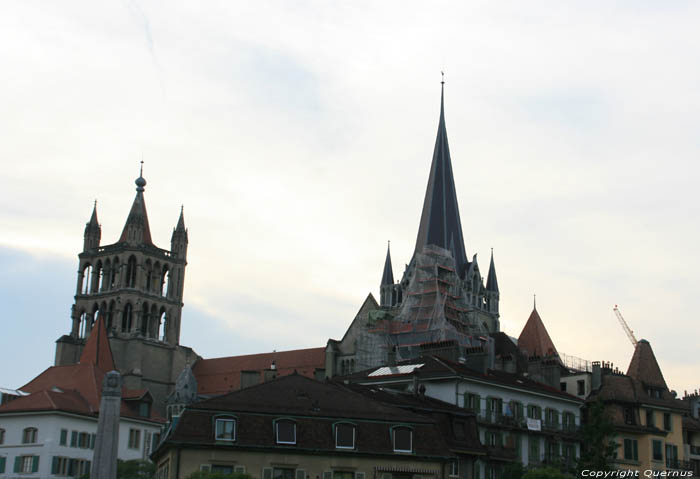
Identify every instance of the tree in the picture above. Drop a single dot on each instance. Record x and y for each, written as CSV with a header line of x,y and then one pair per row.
x,y
135,469
598,433
513,470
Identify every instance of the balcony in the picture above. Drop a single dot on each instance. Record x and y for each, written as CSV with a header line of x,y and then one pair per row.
x,y
504,453
677,464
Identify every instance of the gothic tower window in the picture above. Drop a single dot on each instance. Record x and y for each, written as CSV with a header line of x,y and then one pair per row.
x,y
149,276
144,320
165,282
131,272
110,316
114,278
127,318
97,287
162,325
83,325
86,278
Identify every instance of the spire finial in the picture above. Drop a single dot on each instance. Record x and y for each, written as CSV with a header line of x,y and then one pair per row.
x,y
443,77
95,205
140,181
182,209
534,301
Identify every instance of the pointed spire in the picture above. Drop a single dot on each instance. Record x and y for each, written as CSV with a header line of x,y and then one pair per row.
x,y
644,366
388,274
440,223
97,350
492,281
181,220
534,337
93,218
136,230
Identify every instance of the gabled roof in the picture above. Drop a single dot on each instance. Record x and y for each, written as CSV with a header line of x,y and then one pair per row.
x,y
388,273
440,223
138,215
221,375
534,337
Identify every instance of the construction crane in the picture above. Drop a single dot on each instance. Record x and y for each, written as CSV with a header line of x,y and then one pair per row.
x,y
625,326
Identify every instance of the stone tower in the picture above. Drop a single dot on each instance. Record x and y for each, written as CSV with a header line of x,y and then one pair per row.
x,y
137,288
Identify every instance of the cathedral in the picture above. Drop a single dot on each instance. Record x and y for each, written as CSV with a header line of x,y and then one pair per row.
x,y
441,296
137,288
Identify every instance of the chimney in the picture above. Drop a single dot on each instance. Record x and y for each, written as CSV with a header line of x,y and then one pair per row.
x,y
596,377
271,373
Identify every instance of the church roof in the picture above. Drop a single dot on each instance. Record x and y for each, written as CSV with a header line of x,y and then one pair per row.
x,y
534,337
221,375
440,222
643,366
492,281
388,274
138,215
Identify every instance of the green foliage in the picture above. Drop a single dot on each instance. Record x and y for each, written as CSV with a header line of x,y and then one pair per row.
x,y
135,469
546,473
218,475
598,433
514,470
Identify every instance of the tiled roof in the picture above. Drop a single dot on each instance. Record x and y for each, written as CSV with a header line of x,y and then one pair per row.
x,y
622,388
644,367
534,337
76,387
221,375
314,406
691,424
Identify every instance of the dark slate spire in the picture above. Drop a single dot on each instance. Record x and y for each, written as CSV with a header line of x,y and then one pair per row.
x,y
492,281
388,274
181,220
179,240
136,230
93,219
440,223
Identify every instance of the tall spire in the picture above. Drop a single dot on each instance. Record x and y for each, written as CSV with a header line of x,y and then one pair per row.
x,y
388,274
181,220
93,232
136,230
93,219
492,281
440,223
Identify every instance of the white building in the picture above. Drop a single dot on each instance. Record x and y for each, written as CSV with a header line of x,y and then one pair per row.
x,y
50,432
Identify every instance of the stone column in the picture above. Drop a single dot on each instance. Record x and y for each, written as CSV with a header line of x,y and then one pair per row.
x,y
104,460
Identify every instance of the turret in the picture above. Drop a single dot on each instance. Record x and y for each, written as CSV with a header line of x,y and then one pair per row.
x,y
179,241
492,292
386,288
93,232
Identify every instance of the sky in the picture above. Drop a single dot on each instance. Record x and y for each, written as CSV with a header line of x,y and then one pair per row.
x,y
298,136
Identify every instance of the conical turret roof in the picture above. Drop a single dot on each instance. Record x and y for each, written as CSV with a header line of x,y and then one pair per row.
x,y
534,337
138,217
644,366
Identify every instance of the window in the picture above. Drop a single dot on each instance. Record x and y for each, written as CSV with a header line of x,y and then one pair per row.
x,y
403,439
64,437
84,440
672,456
581,387
134,438
59,466
667,421
225,429
343,475
494,408
569,421
286,431
74,439
568,451
345,436
552,417
222,469
163,471
657,450
472,402
650,418
562,386
534,453
2,436
534,412
631,453
145,409
26,464
629,416
454,468
283,473
29,436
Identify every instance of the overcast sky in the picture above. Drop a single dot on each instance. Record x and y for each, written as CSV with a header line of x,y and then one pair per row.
x,y
298,136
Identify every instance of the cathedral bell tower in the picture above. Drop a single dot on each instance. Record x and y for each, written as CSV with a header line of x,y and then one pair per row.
x,y
137,288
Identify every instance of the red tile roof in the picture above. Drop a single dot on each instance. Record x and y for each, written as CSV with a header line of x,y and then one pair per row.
x,y
221,375
76,387
535,339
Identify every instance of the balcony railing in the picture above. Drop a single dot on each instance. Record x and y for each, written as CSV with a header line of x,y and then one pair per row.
x,y
494,417
677,464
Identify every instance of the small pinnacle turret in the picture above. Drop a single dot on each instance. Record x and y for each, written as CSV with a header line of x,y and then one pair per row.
x,y
388,274
491,280
179,240
93,232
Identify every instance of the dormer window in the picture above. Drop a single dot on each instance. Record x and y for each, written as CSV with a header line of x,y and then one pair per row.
x,y
145,409
345,436
286,431
403,439
225,429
